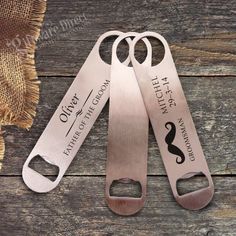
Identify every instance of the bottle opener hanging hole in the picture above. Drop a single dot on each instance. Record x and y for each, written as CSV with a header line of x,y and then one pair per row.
x,y
158,50
123,51
105,49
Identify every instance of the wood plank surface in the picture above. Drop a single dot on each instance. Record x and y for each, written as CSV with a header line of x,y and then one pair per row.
x,y
202,34
202,37
211,101
77,207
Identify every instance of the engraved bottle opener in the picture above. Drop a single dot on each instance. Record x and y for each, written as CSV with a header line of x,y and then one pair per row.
x,y
172,124
72,120
127,133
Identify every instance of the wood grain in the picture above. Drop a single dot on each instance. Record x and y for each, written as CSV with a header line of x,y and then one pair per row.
x,y
77,207
202,34
211,101
202,37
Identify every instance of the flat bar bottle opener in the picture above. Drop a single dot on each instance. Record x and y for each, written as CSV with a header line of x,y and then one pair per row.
x,y
72,120
172,123
127,133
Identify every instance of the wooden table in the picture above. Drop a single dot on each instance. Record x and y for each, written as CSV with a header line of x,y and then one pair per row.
x,y
202,36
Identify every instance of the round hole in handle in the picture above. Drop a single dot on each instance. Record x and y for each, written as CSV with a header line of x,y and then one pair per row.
x,y
158,50
128,37
105,42
122,50
156,37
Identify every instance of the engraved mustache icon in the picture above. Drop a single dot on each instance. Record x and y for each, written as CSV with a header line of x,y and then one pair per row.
x,y
172,148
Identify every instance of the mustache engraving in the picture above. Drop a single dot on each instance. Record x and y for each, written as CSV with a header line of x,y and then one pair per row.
x,y
171,147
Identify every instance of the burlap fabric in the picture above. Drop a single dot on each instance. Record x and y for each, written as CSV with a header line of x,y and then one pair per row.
x,y
20,23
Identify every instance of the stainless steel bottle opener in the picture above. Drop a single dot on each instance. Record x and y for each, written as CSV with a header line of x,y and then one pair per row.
x,y
172,124
127,133
72,120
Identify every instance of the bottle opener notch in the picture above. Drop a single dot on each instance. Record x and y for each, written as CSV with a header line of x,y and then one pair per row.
x,y
122,204
125,188
191,180
45,163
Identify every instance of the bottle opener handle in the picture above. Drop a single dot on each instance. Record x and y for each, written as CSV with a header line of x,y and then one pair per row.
x,y
72,120
172,123
127,133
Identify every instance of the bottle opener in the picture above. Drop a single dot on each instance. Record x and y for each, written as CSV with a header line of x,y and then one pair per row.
x,y
72,120
127,133
172,124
